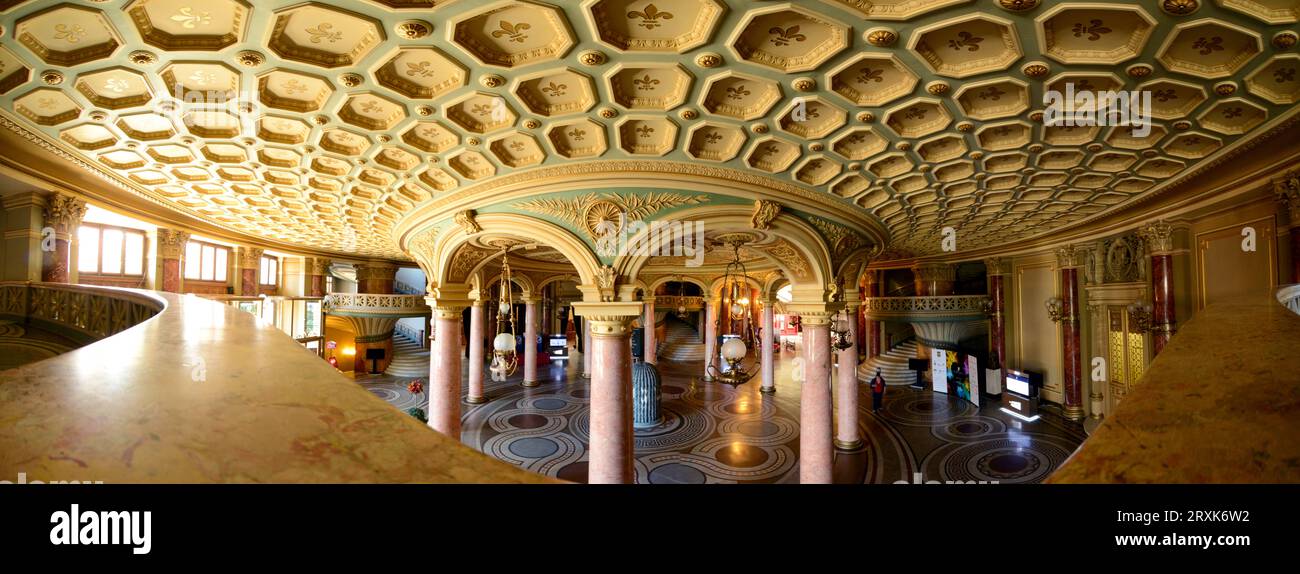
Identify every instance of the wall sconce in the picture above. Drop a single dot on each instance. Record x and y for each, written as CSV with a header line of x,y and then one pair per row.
x,y
1139,314
1056,309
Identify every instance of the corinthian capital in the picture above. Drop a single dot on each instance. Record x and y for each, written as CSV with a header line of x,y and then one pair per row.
x,y
64,212
1069,257
1159,237
1288,192
171,242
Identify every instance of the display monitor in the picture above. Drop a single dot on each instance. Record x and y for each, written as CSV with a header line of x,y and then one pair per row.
x,y
1018,383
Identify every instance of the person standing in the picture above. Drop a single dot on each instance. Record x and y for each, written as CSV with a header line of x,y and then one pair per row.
x,y
877,391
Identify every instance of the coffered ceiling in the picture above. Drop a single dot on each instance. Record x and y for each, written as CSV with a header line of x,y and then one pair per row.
x,y
320,124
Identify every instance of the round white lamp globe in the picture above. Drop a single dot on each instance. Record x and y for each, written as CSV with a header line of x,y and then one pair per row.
x,y
734,350
504,308
504,342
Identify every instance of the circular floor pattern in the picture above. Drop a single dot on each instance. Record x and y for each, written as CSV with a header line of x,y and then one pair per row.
x,y
1003,460
967,429
677,474
533,447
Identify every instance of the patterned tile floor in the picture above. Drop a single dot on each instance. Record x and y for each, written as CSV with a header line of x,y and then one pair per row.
x,y
715,434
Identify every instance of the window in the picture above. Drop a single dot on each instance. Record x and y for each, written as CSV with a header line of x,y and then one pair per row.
x,y
205,261
110,250
270,271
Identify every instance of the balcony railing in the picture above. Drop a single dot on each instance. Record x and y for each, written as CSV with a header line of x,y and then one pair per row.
x,y
933,308
1289,297
375,305
675,301
93,312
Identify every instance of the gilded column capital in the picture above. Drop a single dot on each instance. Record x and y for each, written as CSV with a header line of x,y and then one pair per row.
x,y
609,318
448,308
1288,192
1159,237
997,265
320,266
64,212
250,257
171,242
1069,257
816,318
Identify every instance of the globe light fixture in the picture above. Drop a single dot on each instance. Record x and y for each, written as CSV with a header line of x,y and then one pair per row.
x,y
734,350
503,344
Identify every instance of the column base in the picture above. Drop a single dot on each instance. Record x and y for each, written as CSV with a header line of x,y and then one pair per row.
x,y
1073,413
707,378
586,375
841,445
531,384
475,400
767,390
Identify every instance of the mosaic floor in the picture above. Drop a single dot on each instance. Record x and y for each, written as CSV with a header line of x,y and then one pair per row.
x,y
712,433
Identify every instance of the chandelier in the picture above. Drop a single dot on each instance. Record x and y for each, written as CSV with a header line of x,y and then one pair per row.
x,y
734,349
681,298
503,344
1139,313
841,337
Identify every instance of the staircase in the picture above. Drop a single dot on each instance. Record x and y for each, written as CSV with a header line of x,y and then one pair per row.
x,y
409,360
892,365
681,343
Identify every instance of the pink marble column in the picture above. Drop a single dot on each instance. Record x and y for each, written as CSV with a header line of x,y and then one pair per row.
x,y
710,337
651,343
846,393
610,454
476,395
586,348
816,449
530,343
444,374
769,378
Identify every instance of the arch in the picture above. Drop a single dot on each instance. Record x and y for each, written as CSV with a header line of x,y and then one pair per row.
x,y
793,246
525,283
556,279
715,286
771,284
457,260
704,287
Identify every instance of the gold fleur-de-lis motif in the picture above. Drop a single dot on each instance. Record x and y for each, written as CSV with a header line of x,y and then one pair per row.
x,y
645,131
45,103
324,31
1232,113
771,149
1084,85
1094,29
857,138
1284,75
471,160
481,109
993,93
293,86
70,34
870,75
371,107
514,31
116,85
577,134
713,137
517,146
1213,44
428,133
554,90
915,113
1166,95
421,69
190,20
783,36
1191,141
1003,131
202,78
650,16
966,40
738,92
815,164
645,83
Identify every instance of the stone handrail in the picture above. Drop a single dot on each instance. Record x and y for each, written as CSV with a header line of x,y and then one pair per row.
x,y
1217,405
93,312
376,305
204,393
933,308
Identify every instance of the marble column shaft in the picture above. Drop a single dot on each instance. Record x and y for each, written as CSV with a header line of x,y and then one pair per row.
x,y
476,395
1072,363
847,436
444,376
611,443
1163,321
769,338
530,343
710,337
63,214
650,338
816,448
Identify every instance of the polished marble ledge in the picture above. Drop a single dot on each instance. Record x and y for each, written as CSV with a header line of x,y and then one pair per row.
x,y
206,393
1220,404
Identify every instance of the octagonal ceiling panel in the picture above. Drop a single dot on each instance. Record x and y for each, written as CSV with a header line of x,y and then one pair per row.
x,y
323,36
1209,48
967,46
657,25
715,142
422,73
68,35
740,97
650,87
557,93
873,80
1076,33
791,39
185,25
1278,80
511,34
